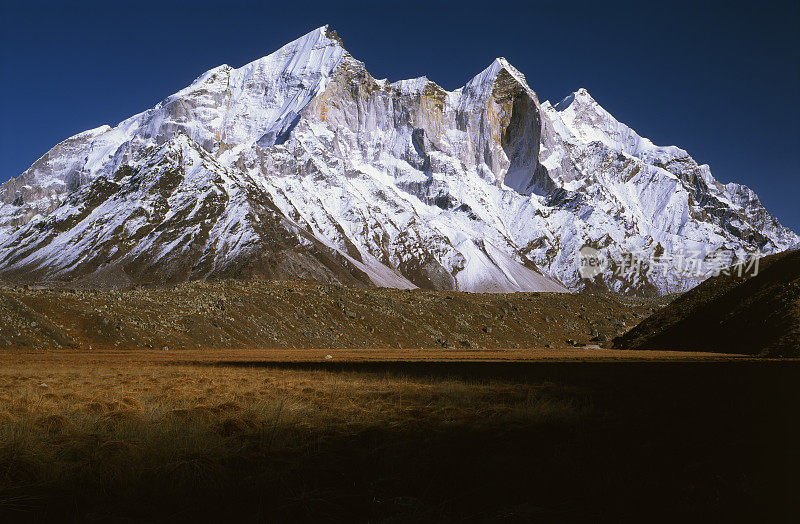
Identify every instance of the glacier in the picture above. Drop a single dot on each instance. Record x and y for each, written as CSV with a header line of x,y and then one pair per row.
x,y
302,165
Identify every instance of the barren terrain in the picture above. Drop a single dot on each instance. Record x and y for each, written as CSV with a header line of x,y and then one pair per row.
x,y
300,314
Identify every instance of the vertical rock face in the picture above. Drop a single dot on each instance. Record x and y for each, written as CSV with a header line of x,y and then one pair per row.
x,y
302,165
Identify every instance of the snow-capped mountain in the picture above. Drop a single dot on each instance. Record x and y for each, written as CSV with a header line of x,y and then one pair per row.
x,y
302,165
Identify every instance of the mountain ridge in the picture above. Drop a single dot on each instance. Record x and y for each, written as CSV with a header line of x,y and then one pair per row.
x,y
401,184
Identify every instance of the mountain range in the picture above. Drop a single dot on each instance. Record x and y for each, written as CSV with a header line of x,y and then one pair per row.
x,y
302,165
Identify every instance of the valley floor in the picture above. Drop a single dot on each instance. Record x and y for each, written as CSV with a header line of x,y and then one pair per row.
x,y
387,435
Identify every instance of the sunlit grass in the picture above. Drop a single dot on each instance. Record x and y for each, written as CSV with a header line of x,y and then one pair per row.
x,y
108,427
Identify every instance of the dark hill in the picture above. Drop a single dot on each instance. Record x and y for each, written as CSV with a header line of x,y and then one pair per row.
x,y
755,315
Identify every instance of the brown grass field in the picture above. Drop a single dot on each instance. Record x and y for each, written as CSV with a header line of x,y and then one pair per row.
x,y
395,436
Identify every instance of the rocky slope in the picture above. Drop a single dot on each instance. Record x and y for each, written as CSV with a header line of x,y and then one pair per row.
x,y
302,165
303,314
759,315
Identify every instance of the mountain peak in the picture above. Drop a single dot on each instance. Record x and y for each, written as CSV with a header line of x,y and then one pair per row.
x,y
501,64
300,164
483,83
331,34
582,96
317,35
317,50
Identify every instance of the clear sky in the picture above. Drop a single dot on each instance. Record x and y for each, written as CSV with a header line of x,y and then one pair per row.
x,y
719,80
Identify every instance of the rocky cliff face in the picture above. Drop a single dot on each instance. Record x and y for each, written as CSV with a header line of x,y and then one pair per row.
x,y
302,165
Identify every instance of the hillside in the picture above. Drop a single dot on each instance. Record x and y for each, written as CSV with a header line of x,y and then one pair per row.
x,y
303,314
759,315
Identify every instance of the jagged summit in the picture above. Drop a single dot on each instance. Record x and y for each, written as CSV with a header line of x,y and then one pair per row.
x,y
484,80
301,165
588,120
496,66
308,51
581,95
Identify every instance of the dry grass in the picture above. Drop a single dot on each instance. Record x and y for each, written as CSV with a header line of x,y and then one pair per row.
x,y
155,437
113,425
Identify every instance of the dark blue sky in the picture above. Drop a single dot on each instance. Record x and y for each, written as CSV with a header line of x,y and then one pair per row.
x,y
719,80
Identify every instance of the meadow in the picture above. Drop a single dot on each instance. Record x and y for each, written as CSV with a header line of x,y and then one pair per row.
x,y
254,436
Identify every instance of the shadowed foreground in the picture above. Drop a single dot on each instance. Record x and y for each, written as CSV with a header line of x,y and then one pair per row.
x,y
109,437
